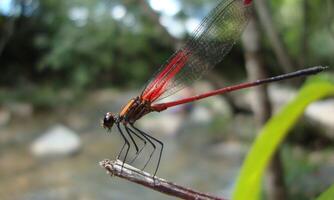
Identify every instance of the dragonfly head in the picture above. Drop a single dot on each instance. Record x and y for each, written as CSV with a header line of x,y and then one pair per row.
x,y
108,120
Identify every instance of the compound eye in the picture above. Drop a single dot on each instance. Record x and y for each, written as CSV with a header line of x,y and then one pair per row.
x,y
108,120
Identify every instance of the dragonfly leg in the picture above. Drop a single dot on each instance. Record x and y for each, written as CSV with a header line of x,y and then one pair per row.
x,y
153,145
120,152
141,138
147,136
126,143
133,141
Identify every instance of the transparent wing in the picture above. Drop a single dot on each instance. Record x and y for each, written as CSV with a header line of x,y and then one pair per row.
x,y
210,42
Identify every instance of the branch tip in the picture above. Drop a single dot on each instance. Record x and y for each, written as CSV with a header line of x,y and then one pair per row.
x,y
130,173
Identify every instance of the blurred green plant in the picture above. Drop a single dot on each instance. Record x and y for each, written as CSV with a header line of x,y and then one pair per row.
x,y
272,135
80,45
91,47
328,194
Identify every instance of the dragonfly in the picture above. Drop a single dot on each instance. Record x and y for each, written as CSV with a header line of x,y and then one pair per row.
x,y
210,42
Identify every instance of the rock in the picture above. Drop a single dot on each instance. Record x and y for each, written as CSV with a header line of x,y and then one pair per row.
x,y
57,141
322,112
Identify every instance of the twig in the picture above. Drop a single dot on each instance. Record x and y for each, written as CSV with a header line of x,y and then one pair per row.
x,y
135,175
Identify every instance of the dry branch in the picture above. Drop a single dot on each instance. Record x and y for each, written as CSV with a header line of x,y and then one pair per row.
x,y
130,173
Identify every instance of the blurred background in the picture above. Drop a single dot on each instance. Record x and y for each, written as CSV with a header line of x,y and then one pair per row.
x,y
64,63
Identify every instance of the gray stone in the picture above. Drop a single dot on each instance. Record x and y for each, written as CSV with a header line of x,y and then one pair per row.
x,y
57,141
322,112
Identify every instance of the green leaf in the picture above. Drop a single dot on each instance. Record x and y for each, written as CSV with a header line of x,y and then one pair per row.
x,y
273,133
328,194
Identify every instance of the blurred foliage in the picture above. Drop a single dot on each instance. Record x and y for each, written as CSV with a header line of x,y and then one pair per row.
x,y
273,133
328,194
305,30
82,44
300,170
79,44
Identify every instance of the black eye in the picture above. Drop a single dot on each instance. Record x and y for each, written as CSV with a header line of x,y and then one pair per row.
x,y
108,121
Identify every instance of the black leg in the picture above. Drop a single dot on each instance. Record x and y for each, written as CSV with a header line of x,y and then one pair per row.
x,y
156,140
133,141
126,143
120,152
141,138
153,145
